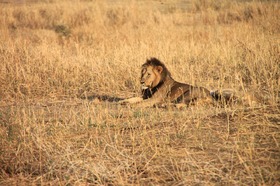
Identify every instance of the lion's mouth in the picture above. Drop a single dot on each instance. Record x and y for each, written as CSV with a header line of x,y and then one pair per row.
x,y
144,87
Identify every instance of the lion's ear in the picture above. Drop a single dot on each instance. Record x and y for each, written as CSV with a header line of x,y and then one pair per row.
x,y
159,69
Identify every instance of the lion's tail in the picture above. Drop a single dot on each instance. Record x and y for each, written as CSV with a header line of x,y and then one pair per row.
x,y
226,96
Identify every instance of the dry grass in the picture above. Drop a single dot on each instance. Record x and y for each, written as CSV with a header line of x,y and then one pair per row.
x,y
64,64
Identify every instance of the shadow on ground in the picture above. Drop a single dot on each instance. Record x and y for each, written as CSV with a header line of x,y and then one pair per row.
x,y
102,98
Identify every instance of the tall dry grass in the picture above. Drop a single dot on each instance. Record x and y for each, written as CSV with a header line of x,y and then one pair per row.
x,y
65,63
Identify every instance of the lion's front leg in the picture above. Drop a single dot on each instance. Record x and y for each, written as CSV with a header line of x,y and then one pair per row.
x,y
131,100
151,102
140,102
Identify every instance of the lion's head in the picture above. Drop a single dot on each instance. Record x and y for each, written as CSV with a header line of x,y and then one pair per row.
x,y
153,73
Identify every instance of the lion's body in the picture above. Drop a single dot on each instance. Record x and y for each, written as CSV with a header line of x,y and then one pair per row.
x,y
158,87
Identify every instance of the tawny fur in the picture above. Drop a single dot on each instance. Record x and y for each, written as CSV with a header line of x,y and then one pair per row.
x,y
159,88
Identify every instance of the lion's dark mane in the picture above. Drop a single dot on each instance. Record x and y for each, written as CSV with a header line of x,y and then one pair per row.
x,y
148,93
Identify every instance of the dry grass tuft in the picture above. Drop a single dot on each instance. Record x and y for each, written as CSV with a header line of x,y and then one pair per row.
x,y
64,65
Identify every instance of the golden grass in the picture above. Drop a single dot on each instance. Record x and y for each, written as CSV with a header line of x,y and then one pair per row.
x,y
64,65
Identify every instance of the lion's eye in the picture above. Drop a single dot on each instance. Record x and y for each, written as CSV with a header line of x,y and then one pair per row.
x,y
148,74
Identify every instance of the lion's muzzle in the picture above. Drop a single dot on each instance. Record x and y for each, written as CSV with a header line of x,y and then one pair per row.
x,y
143,86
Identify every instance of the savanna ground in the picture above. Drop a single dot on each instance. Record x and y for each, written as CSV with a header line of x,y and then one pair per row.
x,y
65,64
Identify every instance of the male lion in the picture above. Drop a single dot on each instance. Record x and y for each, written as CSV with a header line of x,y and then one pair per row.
x,y
159,88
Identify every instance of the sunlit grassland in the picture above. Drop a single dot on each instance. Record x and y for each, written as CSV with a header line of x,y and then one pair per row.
x,y
65,64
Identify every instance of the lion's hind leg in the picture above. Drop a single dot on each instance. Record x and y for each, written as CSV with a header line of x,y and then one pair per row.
x,y
197,96
204,102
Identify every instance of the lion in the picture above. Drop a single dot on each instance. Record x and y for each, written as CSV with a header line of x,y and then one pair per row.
x,y
159,88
